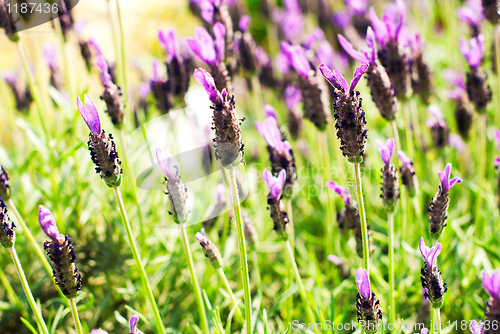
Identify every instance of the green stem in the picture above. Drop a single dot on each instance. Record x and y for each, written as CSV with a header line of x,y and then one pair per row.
x,y
291,229
496,32
137,257
123,54
255,260
76,318
33,87
362,215
229,290
330,205
27,291
302,289
392,301
438,320
196,286
395,134
243,251
408,137
482,151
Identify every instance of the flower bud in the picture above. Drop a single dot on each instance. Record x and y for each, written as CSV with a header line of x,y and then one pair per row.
x,y
211,251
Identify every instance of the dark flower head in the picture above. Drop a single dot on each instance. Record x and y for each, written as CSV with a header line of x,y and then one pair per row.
x,y
7,232
210,250
105,76
292,96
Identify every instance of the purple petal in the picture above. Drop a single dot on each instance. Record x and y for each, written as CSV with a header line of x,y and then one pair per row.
x,y
464,48
357,7
434,111
133,323
315,36
89,114
221,193
363,283
379,27
496,161
358,74
325,53
144,90
497,138
341,19
391,146
269,111
424,331
207,11
424,250
50,55
372,49
98,331
219,33
476,52
476,328
47,222
433,254
103,66
161,161
275,184
293,96
401,12
244,23
292,5
205,50
201,237
299,61
384,152
335,78
341,191
456,142
282,63
95,45
467,15
404,158
454,181
350,50
334,259
168,42
10,77
205,79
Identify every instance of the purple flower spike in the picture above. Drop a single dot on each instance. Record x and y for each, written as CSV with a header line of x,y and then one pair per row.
x,y
471,13
492,284
429,254
275,184
299,60
270,131
9,76
203,46
219,33
446,183
205,79
170,169
476,328
341,19
269,111
293,96
497,138
201,237
343,192
473,51
244,23
363,283
103,66
386,151
50,55
47,222
315,36
168,42
89,113
404,158
379,27
133,324
456,142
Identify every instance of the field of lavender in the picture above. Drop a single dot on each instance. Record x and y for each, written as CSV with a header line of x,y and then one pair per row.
x,y
251,166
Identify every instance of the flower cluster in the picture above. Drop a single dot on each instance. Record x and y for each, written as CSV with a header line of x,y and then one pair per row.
x,y
431,278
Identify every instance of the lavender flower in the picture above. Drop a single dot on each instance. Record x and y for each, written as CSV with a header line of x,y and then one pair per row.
x,y
8,22
349,218
246,47
438,208
62,255
7,232
133,324
456,142
291,21
477,88
275,204
439,127
408,177
476,328
431,277
102,149
112,95
472,14
463,110
93,42
161,90
367,304
421,76
56,79
314,92
390,188
357,10
22,93
216,11
349,115
492,284
212,54
266,75
293,97
5,191
280,152
228,143
176,190
381,88
491,10
211,251
98,331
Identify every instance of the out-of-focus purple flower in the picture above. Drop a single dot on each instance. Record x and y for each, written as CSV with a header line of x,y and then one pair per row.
x,y
341,191
89,114
457,81
270,131
446,182
269,111
341,19
95,45
293,96
404,158
492,284
292,5
98,331
337,80
475,327
474,50
10,77
364,56
79,26
282,63
429,254
133,324
297,55
390,25
334,259
168,166
275,184
203,46
363,283
386,151
219,32
471,13
456,142
47,222
357,7
325,54
497,138
316,35
424,331
144,89
292,26
434,111
168,41
207,81
103,66
50,55
244,23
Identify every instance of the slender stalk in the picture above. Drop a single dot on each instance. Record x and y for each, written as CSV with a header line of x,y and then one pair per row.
x,y
255,260
229,290
291,229
395,134
69,76
123,54
243,251
482,151
392,301
11,294
417,131
408,137
438,320
330,205
362,215
76,318
302,289
34,89
27,291
196,286
137,257
496,32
